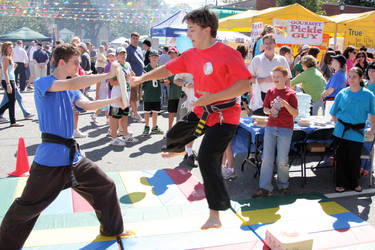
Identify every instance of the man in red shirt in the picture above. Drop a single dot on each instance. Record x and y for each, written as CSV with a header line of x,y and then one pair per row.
x,y
217,79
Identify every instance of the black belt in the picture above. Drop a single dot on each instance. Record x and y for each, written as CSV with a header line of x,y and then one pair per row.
x,y
70,143
356,127
209,109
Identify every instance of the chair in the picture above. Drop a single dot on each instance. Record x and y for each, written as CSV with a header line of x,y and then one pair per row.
x,y
297,148
367,154
324,147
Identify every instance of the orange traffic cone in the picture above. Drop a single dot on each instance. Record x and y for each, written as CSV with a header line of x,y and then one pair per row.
x,y
22,166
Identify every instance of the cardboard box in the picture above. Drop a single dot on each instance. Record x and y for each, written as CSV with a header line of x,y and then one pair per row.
x,y
279,239
316,147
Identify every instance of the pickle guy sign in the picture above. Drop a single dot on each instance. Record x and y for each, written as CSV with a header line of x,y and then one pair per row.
x,y
298,32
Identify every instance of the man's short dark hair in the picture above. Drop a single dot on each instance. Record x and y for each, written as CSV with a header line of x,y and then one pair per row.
x,y
243,50
284,50
64,52
204,18
314,51
19,42
371,65
165,49
147,42
134,34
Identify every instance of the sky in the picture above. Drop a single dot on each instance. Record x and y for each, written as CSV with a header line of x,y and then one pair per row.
x,y
193,3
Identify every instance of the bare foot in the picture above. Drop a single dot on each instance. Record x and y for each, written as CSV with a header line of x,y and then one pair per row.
x,y
213,221
126,234
171,154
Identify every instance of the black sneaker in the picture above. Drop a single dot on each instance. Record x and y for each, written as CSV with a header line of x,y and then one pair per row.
x,y
190,160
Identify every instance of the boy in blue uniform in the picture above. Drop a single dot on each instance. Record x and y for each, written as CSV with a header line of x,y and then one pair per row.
x,y
58,163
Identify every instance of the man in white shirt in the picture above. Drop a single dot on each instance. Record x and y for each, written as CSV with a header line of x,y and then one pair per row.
x,y
20,57
261,67
31,50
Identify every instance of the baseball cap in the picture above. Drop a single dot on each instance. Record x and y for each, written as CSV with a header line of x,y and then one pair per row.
x,y
340,58
305,47
120,50
111,52
83,45
173,50
153,53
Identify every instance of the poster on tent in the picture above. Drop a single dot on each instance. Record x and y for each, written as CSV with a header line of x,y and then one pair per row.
x,y
256,30
298,32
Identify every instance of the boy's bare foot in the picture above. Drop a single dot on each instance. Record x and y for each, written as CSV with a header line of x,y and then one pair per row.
x,y
213,221
171,154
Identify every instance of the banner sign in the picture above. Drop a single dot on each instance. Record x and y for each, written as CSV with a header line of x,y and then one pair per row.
x,y
256,30
359,37
298,32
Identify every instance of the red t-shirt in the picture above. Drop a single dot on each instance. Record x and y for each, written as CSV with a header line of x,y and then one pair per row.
x,y
214,69
284,119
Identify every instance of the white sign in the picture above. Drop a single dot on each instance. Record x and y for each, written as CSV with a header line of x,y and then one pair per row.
x,y
256,30
298,32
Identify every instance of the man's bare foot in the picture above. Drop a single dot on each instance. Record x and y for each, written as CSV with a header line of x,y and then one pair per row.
x,y
171,154
126,234
213,221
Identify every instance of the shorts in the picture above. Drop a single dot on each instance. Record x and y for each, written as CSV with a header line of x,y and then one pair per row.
x,y
118,113
99,70
135,93
151,106
173,105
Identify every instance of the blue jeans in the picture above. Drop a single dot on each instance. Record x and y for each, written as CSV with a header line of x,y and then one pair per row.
x,y
280,139
19,100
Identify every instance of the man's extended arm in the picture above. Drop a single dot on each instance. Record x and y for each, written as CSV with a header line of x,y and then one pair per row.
x,y
237,89
156,74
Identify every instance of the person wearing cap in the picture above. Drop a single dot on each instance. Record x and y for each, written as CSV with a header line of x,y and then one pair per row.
x,y
136,59
174,91
151,97
338,80
85,57
297,58
41,59
146,48
116,113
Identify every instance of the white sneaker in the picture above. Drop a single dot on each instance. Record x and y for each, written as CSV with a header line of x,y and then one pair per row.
x,y
79,134
138,119
93,118
130,138
228,173
117,142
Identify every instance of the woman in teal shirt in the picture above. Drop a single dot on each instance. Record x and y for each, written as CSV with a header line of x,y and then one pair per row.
x,y
8,82
350,112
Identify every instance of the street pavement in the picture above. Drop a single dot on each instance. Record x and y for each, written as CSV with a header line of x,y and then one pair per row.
x,y
145,155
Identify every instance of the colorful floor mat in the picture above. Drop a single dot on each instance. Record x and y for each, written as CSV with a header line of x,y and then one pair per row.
x,y
165,209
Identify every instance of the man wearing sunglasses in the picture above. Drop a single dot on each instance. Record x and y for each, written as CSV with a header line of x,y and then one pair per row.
x,y
58,163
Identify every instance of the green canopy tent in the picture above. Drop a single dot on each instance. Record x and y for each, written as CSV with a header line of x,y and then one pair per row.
x,y
24,34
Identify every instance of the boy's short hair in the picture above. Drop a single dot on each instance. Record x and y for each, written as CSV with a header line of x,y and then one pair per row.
x,y
65,52
281,69
270,36
284,50
371,65
204,18
309,61
243,50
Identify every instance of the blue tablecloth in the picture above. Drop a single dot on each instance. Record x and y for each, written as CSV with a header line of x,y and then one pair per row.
x,y
240,142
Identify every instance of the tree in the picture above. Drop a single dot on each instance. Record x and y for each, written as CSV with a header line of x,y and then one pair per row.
x,y
313,5
367,3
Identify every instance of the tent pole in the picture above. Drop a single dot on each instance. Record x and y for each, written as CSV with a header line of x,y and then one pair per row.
x,y
335,37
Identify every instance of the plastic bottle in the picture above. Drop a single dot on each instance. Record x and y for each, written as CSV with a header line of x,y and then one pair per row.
x,y
276,105
320,111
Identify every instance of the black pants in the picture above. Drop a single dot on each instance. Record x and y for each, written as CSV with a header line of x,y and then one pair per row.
x,y
11,101
20,73
44,185
214,143
348,163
